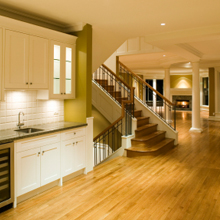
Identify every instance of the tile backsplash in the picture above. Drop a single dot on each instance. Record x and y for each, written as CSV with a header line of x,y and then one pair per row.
x,y
35,111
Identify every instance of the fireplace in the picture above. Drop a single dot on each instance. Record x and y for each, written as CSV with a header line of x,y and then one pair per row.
x,y
182,102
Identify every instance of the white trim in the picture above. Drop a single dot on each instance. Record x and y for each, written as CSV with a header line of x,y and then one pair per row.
x,y
197,130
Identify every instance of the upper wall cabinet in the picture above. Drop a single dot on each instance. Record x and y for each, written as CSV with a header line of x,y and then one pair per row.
x,y
26,61
62,76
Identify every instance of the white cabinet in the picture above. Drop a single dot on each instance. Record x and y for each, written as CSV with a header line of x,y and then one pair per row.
x,y
43,159
73,155
73,151
50,163
62,73
37,162
28,170
26,61
39,63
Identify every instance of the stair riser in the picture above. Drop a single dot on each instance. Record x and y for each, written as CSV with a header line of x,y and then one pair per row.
x,y
142,122
137,114
162,150
102,82
148,143
146,131
109,88
116,94
121,99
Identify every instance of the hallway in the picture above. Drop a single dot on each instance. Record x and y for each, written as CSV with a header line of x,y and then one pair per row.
x,y
182,184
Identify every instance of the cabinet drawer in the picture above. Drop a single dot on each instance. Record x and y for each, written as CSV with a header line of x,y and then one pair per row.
x,y
30,143
73,133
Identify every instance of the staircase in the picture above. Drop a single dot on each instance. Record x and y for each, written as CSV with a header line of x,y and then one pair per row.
x,y
148,140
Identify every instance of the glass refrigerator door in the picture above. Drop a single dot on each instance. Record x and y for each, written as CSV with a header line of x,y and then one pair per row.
x,y
4,175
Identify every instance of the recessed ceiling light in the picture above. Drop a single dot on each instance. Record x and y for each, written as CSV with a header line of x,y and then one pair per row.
x,y
162,24
164,55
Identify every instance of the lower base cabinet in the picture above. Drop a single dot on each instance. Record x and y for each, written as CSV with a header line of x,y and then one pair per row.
x,y
43,159
73,158
37,167
28,171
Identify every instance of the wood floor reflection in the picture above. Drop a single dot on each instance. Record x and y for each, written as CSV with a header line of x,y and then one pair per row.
x,y
182,184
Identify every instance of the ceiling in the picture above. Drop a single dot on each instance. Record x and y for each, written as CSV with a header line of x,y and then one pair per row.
x,y
191,33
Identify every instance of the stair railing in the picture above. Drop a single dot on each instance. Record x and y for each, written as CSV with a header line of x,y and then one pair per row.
x,y
157,103
109,140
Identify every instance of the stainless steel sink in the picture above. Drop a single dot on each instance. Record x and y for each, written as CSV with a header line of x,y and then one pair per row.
x,y
29,130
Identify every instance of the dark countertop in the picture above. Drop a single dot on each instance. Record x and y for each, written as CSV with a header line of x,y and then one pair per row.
x,y
12,135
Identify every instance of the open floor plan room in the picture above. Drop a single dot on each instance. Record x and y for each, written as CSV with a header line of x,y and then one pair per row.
x,y
181,184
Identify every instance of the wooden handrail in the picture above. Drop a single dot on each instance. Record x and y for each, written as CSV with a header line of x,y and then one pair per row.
x,y
149,86
122,111
117,77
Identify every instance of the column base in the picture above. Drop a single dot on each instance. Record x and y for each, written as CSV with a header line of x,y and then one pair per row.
x,y
197,130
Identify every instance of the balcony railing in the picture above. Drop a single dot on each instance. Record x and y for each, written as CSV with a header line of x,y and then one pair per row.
x,y
154,101
109,140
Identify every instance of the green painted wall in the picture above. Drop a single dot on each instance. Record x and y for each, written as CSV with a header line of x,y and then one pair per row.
x,y
80,108
99,122
181,81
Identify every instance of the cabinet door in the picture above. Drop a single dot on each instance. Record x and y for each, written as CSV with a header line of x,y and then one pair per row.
x,y
50,163
16,60
68,160
80,153
38,63
28,171
62,77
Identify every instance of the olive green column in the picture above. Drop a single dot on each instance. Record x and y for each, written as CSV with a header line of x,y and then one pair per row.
x,y
211,91
80,108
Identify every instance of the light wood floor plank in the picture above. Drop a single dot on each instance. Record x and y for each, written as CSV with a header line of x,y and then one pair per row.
x,y
181,184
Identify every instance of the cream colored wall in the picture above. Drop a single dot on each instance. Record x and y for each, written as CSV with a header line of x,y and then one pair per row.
x,y
99,122
181,81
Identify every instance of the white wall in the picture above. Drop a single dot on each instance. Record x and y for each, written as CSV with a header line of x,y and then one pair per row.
x,y
36,112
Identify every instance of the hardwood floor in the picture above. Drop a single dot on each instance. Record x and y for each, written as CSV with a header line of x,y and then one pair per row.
x,y
182,184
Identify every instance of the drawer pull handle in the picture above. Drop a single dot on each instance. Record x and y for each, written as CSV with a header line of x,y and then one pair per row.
x,y
77,142
48,150
38,154
74,133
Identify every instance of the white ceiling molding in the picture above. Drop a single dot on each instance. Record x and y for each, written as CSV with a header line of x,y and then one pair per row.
x,y
191,49
74,27
31,18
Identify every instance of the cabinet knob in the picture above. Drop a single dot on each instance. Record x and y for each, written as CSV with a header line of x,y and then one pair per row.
x,y
31,83
26,83
74,133
73,143
61,93
38,154
77,142
42,152
64,93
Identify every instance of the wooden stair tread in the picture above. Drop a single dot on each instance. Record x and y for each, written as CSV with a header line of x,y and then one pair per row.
x,y
145,126
149,136
154,147
142,117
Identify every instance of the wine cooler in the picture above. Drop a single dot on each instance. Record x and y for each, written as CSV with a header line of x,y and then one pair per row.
x,y
6,174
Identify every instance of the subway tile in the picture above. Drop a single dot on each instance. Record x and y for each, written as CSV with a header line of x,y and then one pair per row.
x,y
36,111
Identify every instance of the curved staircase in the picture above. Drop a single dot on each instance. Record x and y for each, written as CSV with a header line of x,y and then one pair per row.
x,y
148,140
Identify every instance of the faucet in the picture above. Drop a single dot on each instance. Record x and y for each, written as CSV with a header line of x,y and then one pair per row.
x,y
19,120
